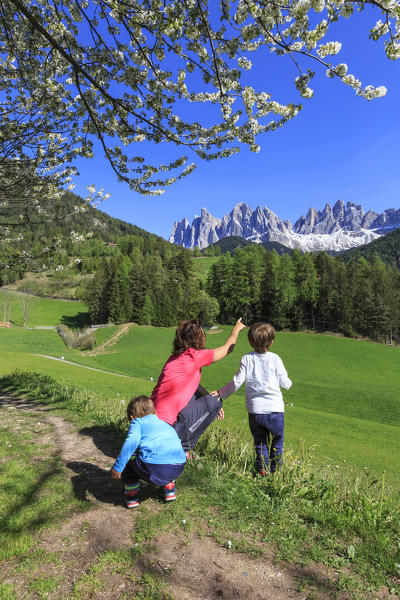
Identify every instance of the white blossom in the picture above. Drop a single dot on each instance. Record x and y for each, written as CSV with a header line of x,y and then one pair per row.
x,y
244,63
318,5
330,48
148,67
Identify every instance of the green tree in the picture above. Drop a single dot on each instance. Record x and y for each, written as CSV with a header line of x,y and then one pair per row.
x,y
307,289
147,315
362,296
380,316
254,265
94,296
344,298
123,274
114,304
270,288
219,285
240,293
165,306
285,292
326,297
207,308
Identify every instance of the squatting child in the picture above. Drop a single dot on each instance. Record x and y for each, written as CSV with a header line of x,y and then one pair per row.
x,y
264,374
152,452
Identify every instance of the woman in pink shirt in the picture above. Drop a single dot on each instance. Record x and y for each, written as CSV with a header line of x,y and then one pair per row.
x,y
176,397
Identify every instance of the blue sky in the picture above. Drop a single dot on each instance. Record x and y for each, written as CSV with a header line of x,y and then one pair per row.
x,y
339,147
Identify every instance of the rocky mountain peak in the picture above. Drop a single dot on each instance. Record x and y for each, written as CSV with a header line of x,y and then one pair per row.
x,y
339,227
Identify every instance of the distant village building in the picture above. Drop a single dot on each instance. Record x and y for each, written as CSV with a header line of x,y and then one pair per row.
x,y
5,324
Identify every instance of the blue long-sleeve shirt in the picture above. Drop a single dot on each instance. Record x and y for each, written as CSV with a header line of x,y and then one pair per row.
x,y
156,442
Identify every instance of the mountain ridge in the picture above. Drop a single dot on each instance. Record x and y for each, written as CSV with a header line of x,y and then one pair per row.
x,y
334,228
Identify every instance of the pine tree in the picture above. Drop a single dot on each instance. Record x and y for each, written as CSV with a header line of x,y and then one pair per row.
x,y
307,289
147,313
114,304
269,290
94,297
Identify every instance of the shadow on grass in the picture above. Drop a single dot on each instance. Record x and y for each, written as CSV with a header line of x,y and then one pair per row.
x,y
107,438
15,398
94,481
97,482
78,321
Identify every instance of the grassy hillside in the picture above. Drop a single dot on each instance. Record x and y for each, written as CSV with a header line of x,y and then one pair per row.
x,y
344,399
202,266
61,220
41,311
66,285
328,512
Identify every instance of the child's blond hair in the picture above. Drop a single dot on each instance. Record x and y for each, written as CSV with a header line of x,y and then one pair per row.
x,y
139,407
261,336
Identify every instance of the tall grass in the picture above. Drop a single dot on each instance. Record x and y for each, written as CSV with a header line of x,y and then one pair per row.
x,y
331,515
47,390
357,501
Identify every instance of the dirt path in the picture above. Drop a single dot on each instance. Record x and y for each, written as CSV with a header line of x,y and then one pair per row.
x,y
192,568
123,329
98,350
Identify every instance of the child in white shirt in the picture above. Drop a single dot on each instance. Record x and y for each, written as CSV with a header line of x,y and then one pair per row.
x,y
264,374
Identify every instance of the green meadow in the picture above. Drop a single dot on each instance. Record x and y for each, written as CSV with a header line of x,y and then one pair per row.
x,y
345,398
40,311
202,265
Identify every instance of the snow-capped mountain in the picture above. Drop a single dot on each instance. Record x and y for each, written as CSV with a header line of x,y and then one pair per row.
x,y
334,228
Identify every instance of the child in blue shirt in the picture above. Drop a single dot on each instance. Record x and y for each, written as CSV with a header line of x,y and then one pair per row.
x,y
152,452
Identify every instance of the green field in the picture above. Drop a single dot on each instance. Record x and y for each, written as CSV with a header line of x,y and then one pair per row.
x,y
41,311
202,265
345,398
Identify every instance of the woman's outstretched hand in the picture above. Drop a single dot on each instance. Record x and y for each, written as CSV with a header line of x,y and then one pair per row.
x,y
229,345
239,326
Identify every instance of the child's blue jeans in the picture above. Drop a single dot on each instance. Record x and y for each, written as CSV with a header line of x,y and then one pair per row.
x,y
136,469
267,431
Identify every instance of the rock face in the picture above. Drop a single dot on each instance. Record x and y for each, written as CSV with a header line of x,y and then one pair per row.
x,y
340,227
203,231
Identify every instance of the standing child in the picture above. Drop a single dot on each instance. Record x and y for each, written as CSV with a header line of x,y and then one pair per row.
x,y
264,374
152,452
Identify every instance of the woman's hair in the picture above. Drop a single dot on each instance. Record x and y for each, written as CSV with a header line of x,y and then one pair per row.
x,y
189,334
139,407
261,336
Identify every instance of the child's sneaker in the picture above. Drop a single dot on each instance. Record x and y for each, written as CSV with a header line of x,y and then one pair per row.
x,y
131,496
169,491
262,472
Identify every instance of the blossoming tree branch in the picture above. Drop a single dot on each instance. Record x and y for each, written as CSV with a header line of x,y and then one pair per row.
x,y
131,71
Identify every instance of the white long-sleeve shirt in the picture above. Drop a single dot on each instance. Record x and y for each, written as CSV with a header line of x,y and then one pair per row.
x,y
264,374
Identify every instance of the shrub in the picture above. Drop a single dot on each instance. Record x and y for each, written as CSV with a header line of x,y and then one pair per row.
x,y
82,340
